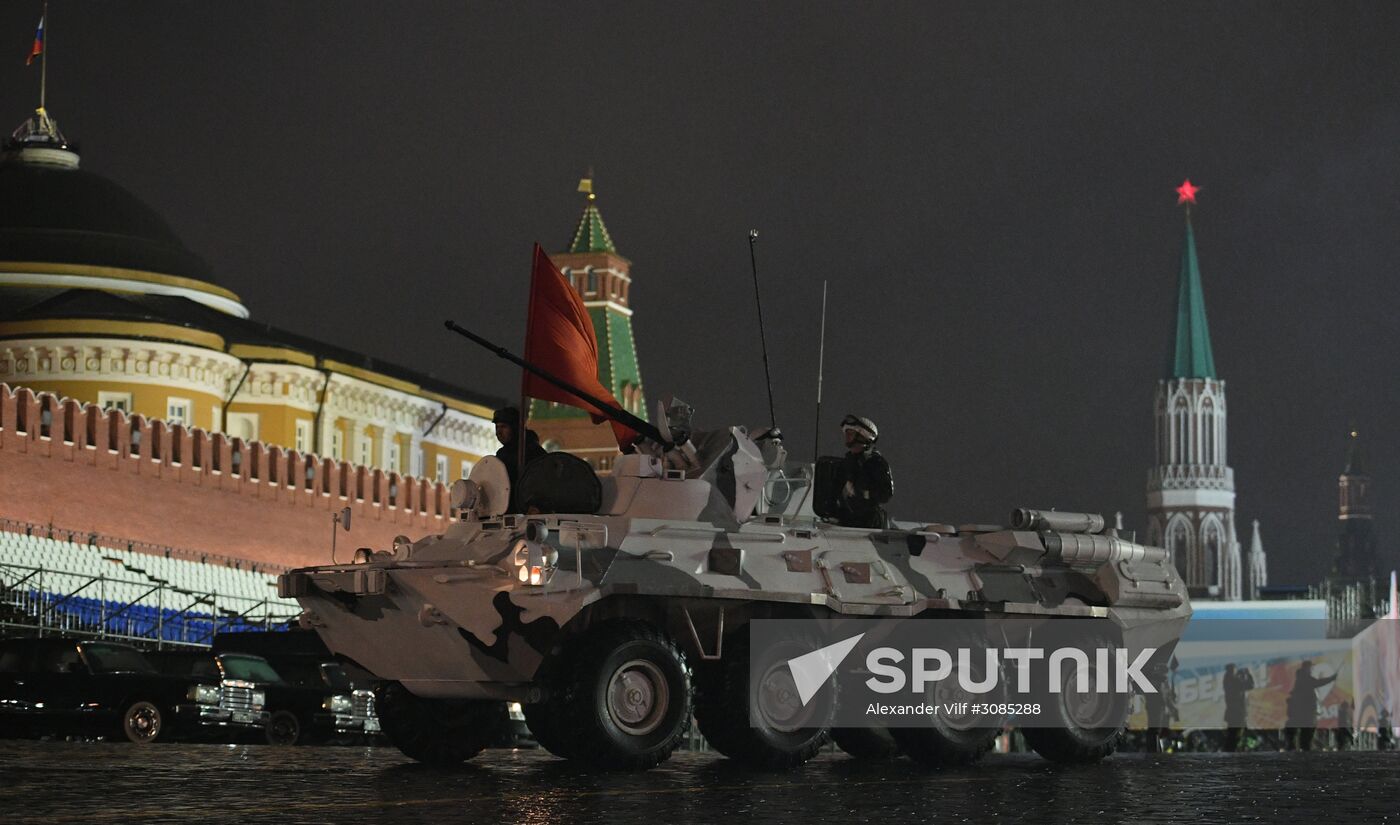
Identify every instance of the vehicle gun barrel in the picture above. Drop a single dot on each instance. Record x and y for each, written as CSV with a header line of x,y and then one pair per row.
x,y
1064,522
621,416
1081,548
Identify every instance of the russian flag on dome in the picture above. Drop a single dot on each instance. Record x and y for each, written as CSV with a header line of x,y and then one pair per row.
x,y
38,47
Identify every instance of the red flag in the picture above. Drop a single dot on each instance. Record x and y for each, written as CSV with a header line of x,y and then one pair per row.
x,y
560,340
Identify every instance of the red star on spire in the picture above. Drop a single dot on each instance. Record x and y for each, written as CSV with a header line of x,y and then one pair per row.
x,y
1186,193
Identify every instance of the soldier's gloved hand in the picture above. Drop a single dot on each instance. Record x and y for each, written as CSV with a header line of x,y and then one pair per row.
x,y
849,491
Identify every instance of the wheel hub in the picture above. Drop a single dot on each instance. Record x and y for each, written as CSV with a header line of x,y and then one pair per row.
x,y
778,700
638,697
144,723
1087,710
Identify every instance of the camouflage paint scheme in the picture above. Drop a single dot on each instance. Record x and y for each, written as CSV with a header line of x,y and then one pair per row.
x,y
448,615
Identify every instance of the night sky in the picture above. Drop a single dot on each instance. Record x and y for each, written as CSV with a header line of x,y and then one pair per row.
x,y
988,188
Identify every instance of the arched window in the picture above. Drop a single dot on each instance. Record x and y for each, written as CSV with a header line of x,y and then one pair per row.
x,y
1212,554
1208,432
1179,546
1182,416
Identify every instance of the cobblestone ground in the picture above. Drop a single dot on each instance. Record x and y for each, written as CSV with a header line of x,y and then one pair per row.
x,y
53,782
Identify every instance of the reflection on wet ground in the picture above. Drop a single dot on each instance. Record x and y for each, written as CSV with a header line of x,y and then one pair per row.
x,y
54,782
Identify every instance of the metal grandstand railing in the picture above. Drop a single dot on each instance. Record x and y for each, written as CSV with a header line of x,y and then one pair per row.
x,y
51,600
41,597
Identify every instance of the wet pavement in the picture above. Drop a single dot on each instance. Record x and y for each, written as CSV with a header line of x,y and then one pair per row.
x,y
53,782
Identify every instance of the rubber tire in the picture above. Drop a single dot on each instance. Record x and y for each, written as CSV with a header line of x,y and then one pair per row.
x,y
722,701
136,716
1068,743
440,732
942,746
283,729
866,744
574,721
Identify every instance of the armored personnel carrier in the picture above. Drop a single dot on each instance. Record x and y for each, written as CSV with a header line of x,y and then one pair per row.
x,y
615,608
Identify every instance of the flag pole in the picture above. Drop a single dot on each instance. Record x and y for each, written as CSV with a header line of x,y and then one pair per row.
x,y
44,57
523,420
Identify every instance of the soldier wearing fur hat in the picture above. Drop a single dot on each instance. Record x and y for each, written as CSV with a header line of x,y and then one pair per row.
x,y
864,479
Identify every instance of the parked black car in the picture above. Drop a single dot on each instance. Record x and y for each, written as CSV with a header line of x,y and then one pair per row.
x,y
348,707
90,688
305,711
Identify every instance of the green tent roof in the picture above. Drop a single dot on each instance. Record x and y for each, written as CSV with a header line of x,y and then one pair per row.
x,y
591,235
1193,358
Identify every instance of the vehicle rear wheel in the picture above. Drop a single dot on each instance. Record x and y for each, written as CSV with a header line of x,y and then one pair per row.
x,y
623,699
142,722
763,724
870,744
437,731
283,728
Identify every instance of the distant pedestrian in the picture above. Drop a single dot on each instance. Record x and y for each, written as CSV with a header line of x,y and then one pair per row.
x,y
1159,706
1384,734
1302,706
1237,683
1344,734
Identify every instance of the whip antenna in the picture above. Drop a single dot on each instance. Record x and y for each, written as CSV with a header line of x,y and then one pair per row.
x,y
763,339
821,361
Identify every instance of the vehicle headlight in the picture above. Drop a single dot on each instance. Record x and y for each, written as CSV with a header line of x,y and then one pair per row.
x,y
204,694
259,698
339,704
534,563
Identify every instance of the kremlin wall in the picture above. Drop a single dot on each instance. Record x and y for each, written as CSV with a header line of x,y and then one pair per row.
x,y
140,403
77,467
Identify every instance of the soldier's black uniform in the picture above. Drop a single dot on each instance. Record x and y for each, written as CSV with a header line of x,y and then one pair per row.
x,y
509,453
864,483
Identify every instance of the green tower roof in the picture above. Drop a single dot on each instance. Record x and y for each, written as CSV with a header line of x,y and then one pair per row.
x,y
591,235
1356,463
1193,358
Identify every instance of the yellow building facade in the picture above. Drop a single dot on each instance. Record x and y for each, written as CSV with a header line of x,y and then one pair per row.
x,y
100,302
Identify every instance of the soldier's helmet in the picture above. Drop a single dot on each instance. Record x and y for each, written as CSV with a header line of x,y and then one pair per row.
x,y
864,428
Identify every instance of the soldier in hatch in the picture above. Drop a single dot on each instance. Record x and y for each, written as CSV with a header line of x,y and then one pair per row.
x,y
864,478
507,421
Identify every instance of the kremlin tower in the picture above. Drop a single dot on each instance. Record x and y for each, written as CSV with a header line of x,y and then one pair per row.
x,y
1191,490
603,279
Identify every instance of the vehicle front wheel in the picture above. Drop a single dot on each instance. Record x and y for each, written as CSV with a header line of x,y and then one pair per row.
x,y
1081,726
283,728
437,731
142,722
